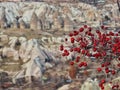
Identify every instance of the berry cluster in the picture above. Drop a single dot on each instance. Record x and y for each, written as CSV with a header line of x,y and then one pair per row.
x,y
103,45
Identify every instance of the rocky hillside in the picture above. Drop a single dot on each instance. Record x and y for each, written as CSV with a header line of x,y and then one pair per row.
x,y
44,16
20,54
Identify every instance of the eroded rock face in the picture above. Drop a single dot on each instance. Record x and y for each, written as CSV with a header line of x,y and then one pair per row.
x,y
46,16
36,58
34,21
68,24
3,20
22,24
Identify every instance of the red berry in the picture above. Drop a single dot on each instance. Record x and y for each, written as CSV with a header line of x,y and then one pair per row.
x,y
107,71
89,28
113,72
78,57
71,63
77,60
61,48
99,69
83,51
72,40
78,50
94,49
85,26
80,65
103,81
118,64
81,29
71,49
102,27
76,33
85,64
63,54
71,34
117,86
97,31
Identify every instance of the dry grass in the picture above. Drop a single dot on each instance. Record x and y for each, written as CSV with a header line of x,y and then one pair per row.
x,y
7,66
29,34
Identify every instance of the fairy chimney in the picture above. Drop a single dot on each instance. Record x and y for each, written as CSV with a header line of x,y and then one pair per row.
x,y
68,24
39,25
34,21
3,20
22,24
47,25
15,24
58,23
42,20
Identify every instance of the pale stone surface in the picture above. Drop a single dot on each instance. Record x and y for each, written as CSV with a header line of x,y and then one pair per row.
x,y
10,52
89,84
12,41
53,16
22,24
65,87
34,21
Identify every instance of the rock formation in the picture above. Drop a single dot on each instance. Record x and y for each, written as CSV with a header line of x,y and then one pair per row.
x,y
46,16
68,24
3,20
34,56
22,24
15,24
34,21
